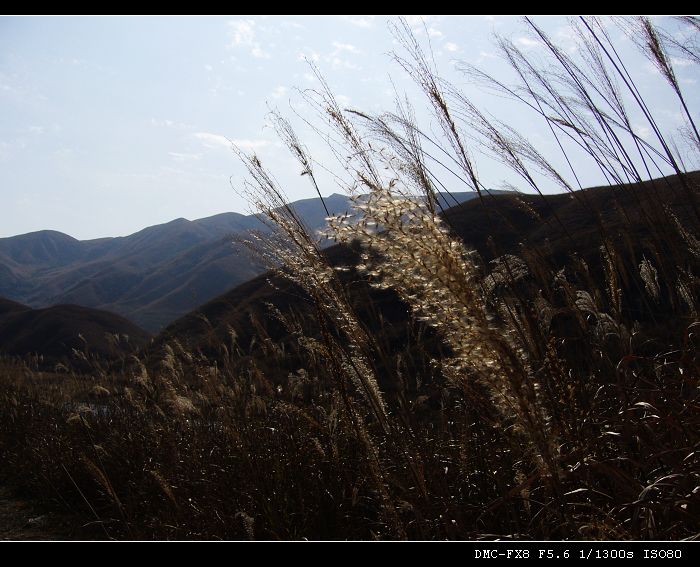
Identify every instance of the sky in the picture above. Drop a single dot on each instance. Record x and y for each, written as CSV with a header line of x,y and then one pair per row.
x,y
112,124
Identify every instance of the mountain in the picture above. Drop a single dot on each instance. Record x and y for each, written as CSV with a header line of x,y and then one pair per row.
x,y
54,332
151,277
557,228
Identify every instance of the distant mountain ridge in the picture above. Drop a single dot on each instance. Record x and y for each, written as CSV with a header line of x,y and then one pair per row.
x,y
153,276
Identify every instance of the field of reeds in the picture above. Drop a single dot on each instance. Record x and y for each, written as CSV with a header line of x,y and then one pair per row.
x,y
430,381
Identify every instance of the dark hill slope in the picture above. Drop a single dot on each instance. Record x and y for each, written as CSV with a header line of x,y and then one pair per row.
x,y
555,228
572,222
53,332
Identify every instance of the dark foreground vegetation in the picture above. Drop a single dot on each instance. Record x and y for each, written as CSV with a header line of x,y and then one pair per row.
x,y
519,366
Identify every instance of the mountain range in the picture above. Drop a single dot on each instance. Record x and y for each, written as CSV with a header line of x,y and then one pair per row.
x,y
151,277
190,281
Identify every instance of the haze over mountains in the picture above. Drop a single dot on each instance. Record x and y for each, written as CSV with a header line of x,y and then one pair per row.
x,y
151,277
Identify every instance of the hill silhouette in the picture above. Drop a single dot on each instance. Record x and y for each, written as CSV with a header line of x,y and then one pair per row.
x,y
52,333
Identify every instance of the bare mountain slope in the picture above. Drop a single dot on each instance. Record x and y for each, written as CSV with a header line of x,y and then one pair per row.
x,y
151,277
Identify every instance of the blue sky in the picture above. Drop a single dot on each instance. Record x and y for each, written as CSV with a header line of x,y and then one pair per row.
x,y
109,125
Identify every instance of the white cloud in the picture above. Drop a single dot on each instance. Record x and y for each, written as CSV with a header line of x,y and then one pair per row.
x,y
421,24
484,55
243,35
567,39
260,53
527,42
365,22
279,92
344,47
292,25
340,63
250,145
7,149
184,157
242,32
343,100
168,123
336,59
678,62
451,47
213,141
309,55
641,130
209,68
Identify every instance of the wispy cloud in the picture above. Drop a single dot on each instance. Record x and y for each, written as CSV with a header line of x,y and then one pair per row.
x,y
679,62
420,25
259,53
243,35
184,157
308,55
343,100
365,22
525,41
340,63
242,32
340,47
567,39
166,123
8,149
213,141
210,140
279,91
250,145
337,57
641,131
292,25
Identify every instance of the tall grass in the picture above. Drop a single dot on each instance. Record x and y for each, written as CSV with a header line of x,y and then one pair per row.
x,y
424,389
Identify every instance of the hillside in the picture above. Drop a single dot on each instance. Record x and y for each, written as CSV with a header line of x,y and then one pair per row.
x,y
151,277
556,228
54,332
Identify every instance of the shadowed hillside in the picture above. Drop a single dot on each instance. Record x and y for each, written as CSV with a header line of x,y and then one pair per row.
x,y
555,228
54,332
